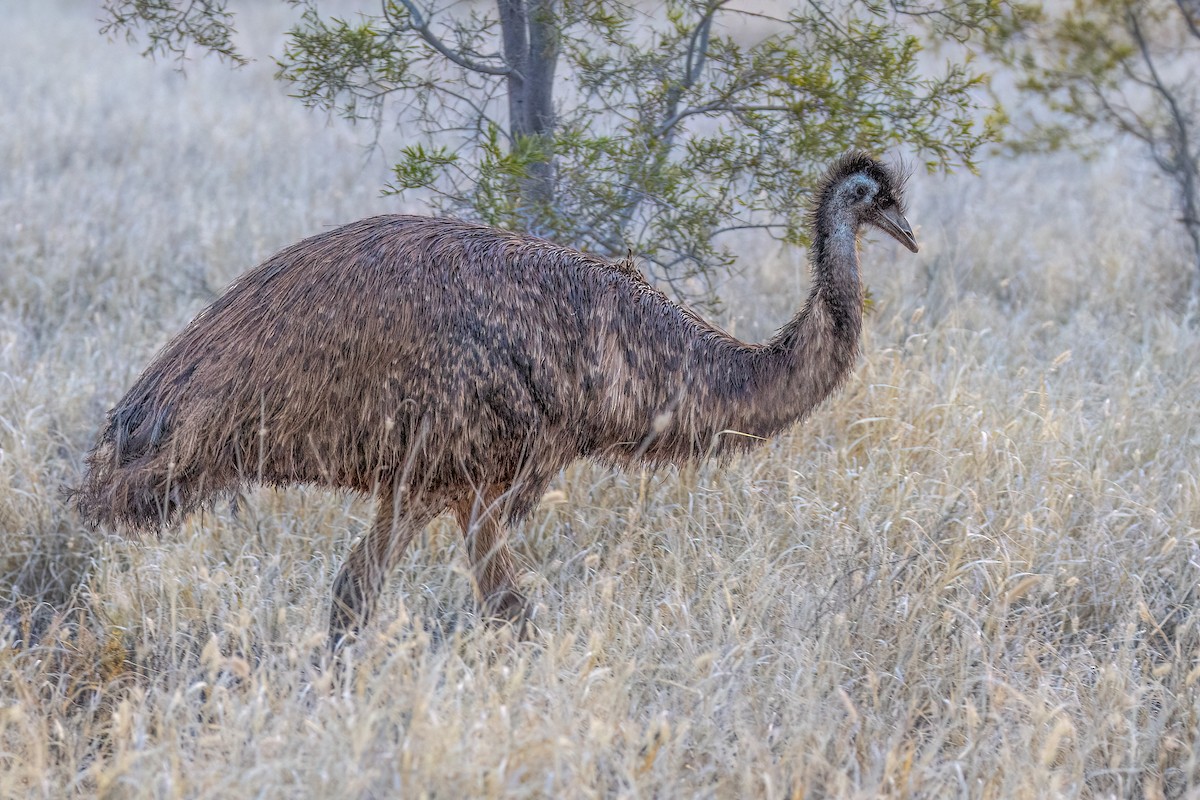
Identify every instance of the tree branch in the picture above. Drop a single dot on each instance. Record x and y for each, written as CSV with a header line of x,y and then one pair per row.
x,y
419,24
1182,166
719,106
693,63
1191,15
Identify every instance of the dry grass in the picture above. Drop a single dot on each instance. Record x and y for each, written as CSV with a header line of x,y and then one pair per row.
x,y
970,575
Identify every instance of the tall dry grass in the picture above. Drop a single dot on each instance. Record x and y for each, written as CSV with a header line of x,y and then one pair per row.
x,y
972,574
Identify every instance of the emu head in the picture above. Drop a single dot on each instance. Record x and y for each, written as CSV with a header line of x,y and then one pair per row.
x,y
869,192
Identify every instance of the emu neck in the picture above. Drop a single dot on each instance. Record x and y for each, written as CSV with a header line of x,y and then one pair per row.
x,y
712,393
813,354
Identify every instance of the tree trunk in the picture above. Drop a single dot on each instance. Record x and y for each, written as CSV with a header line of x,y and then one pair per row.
x,y
529,33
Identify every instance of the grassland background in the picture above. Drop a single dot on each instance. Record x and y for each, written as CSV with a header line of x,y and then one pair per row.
x,y
971,574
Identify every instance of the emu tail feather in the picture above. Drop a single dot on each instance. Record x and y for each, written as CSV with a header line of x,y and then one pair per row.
x,y
138,498
133,479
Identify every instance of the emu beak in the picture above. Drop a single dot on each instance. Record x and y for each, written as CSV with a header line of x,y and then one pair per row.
x,y
896,226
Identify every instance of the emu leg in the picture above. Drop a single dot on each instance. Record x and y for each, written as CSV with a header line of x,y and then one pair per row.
x,y
362,577
492,562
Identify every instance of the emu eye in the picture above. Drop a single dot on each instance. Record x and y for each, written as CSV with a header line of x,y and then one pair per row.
x,y
860,192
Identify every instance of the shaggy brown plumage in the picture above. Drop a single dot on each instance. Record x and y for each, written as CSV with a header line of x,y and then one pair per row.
x,y
443,365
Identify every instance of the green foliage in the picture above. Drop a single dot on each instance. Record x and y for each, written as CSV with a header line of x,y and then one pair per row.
x,y
1084,65
170,27
1106,68
419,167
672,127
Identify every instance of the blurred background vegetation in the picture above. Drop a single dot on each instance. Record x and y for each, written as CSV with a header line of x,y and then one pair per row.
x,y
658,128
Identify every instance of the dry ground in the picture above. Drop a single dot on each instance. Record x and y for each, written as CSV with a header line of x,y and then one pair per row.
x,y
970,575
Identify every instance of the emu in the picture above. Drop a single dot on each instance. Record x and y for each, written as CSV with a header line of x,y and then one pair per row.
x,y
436,365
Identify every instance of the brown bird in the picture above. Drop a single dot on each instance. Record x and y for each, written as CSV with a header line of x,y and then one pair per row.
x,y
437,365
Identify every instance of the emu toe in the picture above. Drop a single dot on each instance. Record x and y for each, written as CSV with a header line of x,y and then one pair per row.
x,y
509,608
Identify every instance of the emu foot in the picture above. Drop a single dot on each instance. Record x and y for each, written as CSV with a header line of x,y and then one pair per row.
x,y
343,627
509,607
348,613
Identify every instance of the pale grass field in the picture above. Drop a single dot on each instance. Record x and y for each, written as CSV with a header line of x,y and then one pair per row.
x,y
970,575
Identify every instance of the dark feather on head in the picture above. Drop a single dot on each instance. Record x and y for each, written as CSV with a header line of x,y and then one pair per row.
x,y
890,179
